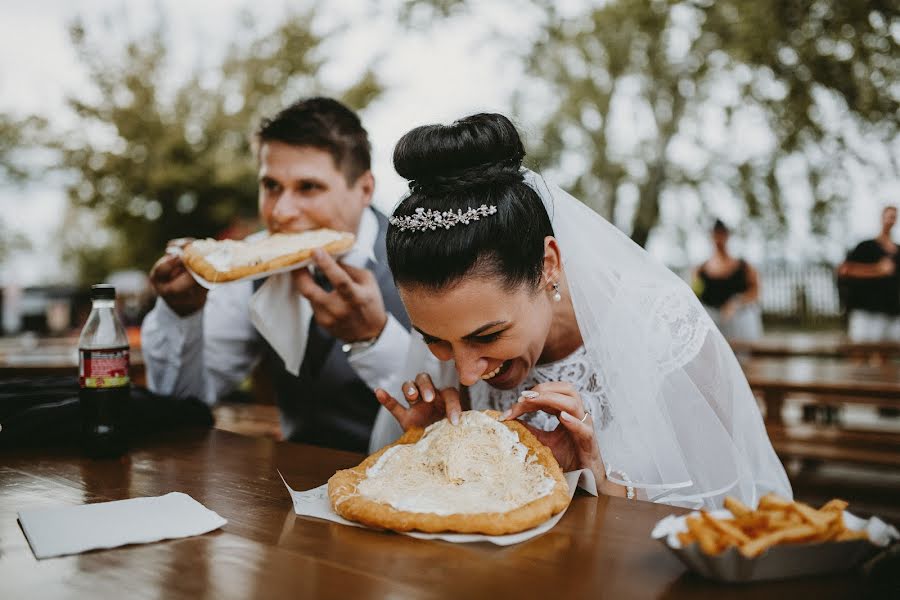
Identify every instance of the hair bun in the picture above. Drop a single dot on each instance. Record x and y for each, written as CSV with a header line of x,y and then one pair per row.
x,y
476,150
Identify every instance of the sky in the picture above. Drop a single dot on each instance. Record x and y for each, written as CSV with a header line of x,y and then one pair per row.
x,y
433,77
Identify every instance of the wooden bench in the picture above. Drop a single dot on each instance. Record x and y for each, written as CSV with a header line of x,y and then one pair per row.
x,y
877,448
827,381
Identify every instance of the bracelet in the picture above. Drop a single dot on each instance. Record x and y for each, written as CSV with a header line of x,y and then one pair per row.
x,y
629,489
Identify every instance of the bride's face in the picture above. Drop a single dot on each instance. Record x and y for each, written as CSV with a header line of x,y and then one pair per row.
x,y
491,333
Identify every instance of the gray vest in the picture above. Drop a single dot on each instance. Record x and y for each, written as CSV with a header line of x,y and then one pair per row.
x,y
327,404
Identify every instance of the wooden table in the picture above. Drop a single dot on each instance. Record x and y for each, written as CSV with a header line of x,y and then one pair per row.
x,y
813,345
254,420
836,379
600,549
33,357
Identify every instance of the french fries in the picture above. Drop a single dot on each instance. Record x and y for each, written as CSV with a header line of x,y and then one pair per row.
x,y
775,521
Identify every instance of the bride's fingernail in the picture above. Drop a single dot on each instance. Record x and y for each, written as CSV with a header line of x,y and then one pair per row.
x,y
529,394
410,391
454,418
566,416
429,396
505,415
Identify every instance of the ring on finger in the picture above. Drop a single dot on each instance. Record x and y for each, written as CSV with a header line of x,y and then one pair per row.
x,y
586,414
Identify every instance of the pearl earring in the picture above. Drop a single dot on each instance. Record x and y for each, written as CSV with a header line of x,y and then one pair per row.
x,y
557,297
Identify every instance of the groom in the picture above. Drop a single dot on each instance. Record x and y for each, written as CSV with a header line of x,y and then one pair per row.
x,y
314,171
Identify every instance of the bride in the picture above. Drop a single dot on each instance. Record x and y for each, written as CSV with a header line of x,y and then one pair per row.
x,y
538,307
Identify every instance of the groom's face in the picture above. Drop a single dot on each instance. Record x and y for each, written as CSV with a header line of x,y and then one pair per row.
x,y
491,333
301,188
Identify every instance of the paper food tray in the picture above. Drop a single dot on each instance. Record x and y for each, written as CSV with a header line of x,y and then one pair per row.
x,y
315,503
780,561
262,275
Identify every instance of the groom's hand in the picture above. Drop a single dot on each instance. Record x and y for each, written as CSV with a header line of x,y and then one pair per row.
x,y
354,310
172,282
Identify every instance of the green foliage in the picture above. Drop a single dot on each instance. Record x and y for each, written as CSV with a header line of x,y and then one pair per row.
x,y
420,13
155,160
827,52
11,242
818,78
787,61
16,136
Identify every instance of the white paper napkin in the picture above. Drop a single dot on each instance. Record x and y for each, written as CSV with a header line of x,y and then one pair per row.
x,y
75,529
281,315
314,503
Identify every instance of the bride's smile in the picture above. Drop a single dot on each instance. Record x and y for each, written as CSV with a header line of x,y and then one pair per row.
x,y
491,334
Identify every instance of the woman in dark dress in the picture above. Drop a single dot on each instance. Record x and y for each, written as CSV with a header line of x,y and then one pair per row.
x,y
728,287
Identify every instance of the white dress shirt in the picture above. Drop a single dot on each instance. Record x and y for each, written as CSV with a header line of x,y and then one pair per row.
x,y
209,353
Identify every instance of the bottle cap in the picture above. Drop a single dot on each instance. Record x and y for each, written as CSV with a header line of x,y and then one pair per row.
x,y
103,291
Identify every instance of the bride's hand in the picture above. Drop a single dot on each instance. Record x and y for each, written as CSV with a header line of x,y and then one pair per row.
x,y
427,405
573,444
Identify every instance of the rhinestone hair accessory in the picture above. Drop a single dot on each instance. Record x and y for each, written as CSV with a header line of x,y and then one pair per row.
x,y
425,220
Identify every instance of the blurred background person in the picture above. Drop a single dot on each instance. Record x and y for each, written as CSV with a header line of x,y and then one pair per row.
x,y
728,287
872,283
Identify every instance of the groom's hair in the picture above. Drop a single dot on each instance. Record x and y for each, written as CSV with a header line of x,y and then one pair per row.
x,y
473,162
326,124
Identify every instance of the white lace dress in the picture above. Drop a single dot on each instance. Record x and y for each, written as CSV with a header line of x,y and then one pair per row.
x,y
574,369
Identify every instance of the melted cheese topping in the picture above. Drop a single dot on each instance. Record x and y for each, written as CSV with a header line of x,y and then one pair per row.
x,y
225,255
477,466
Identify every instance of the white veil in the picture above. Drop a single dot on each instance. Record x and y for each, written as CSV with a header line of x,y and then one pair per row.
x,y
684,427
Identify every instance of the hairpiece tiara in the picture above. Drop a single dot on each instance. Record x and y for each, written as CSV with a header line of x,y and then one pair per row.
x,y
425,220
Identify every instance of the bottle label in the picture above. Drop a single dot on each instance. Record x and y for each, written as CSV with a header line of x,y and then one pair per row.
x,y
103,368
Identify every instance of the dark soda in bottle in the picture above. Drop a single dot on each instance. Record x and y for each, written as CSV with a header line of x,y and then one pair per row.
x,y
103,377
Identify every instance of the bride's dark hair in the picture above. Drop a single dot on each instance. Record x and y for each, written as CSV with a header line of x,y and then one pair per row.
x,y
472,162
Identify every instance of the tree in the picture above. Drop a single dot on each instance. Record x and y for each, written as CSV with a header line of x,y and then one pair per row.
x,y
11,242
17,136
641,99
154,161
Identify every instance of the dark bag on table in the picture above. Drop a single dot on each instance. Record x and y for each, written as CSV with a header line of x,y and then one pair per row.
x,y
44,411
